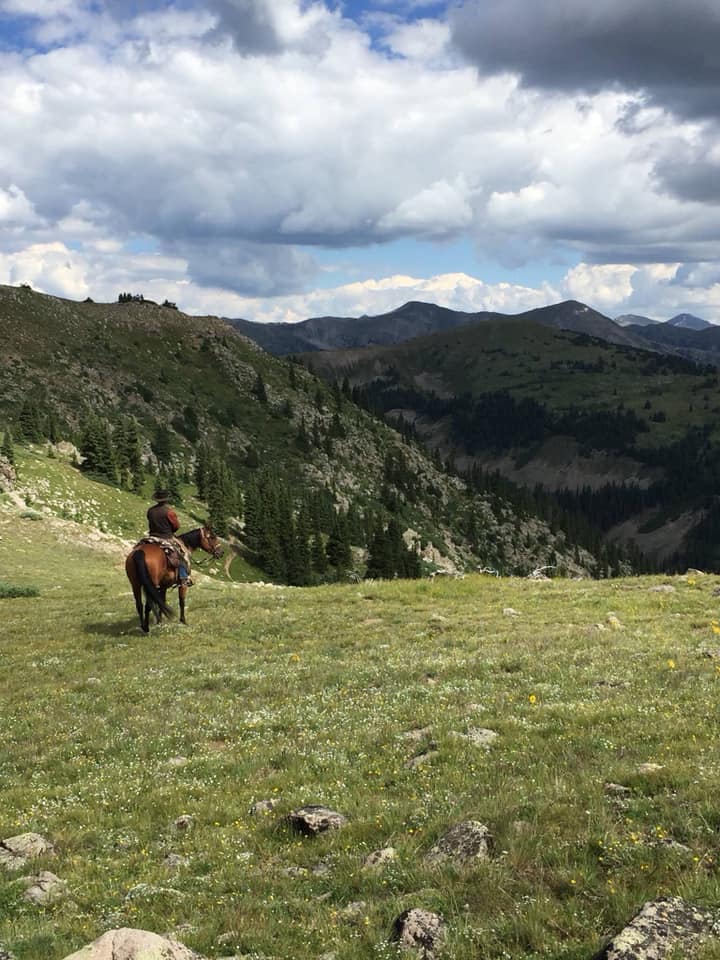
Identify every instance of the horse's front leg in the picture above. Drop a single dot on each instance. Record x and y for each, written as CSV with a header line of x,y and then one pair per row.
x,y
182,591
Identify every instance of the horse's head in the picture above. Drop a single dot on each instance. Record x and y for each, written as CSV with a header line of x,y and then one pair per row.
x,y
210,542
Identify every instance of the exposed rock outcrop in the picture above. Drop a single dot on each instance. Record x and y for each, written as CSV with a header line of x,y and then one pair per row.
x,y
128,944
665,927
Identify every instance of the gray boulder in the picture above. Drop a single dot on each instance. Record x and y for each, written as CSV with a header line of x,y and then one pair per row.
x,y
44,888
16,851
314,819
127,944
419,930
663,928
467,842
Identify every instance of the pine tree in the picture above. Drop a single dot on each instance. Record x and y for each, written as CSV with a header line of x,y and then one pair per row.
x,y
8,448
30,428
260,389
162,443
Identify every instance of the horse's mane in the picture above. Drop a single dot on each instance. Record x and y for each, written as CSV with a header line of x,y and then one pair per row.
x,y
191,538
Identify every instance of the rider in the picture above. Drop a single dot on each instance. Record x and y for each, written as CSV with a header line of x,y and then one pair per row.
x,y
164,524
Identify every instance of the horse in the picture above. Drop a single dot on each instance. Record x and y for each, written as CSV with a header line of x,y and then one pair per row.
x,y
148,571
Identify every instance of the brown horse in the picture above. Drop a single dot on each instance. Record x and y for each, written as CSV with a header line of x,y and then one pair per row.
x,y
148,570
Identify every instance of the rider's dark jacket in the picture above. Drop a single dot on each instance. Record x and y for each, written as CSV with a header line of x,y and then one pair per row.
x,y
162,521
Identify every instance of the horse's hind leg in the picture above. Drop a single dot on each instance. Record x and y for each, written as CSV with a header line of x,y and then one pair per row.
x,y
146,617
158,610
137,593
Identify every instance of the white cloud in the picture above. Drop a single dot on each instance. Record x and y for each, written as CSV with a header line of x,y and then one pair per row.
x,y
240,159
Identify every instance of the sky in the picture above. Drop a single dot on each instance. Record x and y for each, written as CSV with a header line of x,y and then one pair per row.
x,y
282,159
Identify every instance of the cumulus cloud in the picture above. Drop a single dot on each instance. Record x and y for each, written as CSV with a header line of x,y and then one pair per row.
x,y
665,48
238,161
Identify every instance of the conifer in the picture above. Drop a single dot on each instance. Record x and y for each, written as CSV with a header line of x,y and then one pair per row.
x,y
8,448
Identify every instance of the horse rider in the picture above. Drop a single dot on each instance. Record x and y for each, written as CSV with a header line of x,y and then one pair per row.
x,y
164,524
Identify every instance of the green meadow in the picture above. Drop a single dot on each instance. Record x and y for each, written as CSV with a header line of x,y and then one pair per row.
x,y
363,697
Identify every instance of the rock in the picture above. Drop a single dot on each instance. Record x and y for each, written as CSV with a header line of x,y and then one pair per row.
x,y
177,762
127,944
510,612
649,767
173,861
480,737
662,588
672,844
419,930
315,818
145,891
614,622
665,927
5,953
261,808
44,888
8,476
380,858
467,842
617,790
694,572
353,911
185,822
425,757
418,734
16,851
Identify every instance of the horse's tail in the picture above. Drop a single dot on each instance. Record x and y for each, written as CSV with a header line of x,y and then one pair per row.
x,y
151,590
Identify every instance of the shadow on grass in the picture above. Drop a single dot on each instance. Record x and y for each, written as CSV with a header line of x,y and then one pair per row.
x,y
123,628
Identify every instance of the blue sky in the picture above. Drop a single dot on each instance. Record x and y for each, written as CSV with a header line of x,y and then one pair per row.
x,y
277,160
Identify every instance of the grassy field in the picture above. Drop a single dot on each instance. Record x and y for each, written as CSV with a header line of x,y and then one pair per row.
x,y
309,696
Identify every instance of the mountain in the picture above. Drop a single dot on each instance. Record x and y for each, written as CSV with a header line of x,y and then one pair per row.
x,y
689,322
143,390
638,431
415,319
634,319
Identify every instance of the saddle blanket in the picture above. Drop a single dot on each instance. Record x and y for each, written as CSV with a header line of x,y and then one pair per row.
x,y
175,550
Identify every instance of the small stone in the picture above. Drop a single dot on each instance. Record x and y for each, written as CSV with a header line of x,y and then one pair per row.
x,y
174,861
177,762
419,930
262,808
418,734
438,618
380,858
510,612
184,822
617,790
672,844
354,910
665,927
613,622
295,871
467,842
662,588
44,888
650,767
521,827
16,851
481,737
145,891
5,953
322,869
422,758
315,818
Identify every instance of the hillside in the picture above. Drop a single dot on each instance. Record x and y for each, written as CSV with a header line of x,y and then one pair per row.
x,y
416,319
574,720
560,409
298,459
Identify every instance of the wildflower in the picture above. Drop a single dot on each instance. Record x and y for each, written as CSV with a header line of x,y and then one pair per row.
x,y
671,664
532,698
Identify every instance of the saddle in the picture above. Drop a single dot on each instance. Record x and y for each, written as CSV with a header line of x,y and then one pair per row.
x,y
174,551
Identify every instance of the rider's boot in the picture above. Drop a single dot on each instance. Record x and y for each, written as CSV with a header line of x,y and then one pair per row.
x,y
184,580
